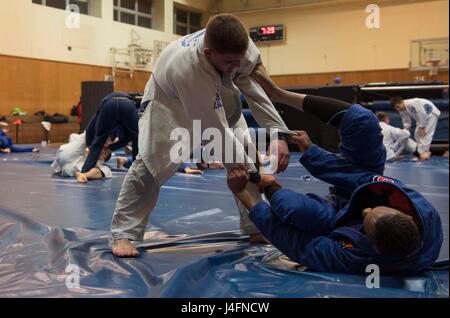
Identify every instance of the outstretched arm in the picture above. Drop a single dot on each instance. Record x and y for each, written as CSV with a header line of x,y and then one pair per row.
x,y
261,106
329,110
276,93
266,116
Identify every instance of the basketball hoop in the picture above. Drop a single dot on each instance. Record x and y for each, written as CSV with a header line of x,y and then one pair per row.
x,y
434,67
134,57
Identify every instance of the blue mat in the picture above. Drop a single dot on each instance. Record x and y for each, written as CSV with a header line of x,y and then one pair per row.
x,y
192,249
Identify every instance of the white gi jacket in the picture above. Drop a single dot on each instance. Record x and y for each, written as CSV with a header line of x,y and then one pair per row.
x,y
396,140
420,110
70,158
184,87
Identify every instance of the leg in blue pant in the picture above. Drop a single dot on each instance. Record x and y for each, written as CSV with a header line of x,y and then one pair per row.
x,y
6,143
100,127
115,113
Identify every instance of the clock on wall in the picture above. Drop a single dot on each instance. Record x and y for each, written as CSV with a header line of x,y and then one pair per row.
x,y
267,33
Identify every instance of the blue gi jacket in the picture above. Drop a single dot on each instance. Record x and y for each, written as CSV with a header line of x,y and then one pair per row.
x,y
326,235
5,141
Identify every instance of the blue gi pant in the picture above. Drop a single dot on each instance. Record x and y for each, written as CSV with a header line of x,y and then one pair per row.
x,y
117,113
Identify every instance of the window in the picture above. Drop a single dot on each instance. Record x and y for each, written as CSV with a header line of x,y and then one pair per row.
x,y
186,21
135,12
83,5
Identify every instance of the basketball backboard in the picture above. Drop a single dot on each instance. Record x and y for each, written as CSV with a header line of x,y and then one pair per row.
x,y
429,54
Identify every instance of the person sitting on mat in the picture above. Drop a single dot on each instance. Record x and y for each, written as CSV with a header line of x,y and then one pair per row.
x,y
71,157
383,223
426,115
396,140
6,144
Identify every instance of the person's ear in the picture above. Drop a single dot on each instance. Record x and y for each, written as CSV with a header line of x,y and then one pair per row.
x,y
207,52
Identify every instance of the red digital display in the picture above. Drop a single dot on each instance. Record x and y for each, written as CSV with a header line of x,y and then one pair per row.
x,y
267,33
267,30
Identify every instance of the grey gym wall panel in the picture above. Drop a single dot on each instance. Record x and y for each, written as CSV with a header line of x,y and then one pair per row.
x,y
92,94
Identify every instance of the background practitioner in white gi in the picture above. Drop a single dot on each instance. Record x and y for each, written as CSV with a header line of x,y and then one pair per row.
x,y
71,157
426,115
396,140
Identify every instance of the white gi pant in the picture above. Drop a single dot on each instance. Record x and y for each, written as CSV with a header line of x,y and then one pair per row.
x,y
152,168
424,143
406,145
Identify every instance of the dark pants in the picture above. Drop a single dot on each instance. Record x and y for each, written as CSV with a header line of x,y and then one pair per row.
x,y
329,110
117,113
359,130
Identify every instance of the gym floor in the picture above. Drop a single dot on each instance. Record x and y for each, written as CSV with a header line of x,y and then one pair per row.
x,y
193,247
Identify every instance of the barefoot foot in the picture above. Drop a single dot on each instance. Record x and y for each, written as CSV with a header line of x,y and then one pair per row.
x,y
124,248
81,177
425,156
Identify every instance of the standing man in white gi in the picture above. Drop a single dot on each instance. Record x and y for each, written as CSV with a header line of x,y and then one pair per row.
x,y
426,115
198,77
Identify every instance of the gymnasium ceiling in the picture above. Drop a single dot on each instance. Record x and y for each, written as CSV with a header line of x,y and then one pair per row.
x,y
249,6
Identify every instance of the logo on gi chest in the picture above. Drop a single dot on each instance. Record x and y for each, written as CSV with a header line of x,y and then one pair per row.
x,y
218,102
